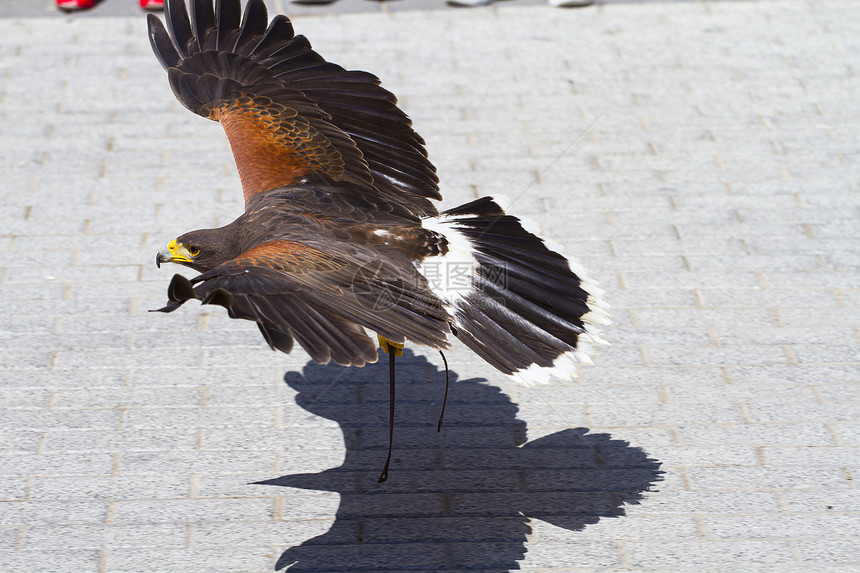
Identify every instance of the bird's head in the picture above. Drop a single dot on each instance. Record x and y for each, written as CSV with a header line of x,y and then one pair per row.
x,y
201,250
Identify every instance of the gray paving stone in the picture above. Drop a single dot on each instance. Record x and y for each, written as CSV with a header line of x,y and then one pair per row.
x,y
848,433
582,394
706,377
649,415
33,513
711,455
222,560
653,298
709,554
19,442
92,342
824,374
215,535
266,439
821,280
57,464
109,488
662,337
133,397
821,456
243,485
781,526
236,395
764,355
97,537
769,478
86,440
703,280
844,354
194,462
828,551
191,511
24,399
51,419
9,537
739,296
797,569
82,359
811,340
757,435
776,393
709,317
52,379
85,561
803,412
43,307
820,501
12,489
96,274
592,554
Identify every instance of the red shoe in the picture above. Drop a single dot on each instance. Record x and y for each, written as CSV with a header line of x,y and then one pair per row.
x,y
152,4
71,5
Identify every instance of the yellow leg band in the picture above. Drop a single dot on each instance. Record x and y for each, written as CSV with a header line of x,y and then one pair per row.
x,y
388,345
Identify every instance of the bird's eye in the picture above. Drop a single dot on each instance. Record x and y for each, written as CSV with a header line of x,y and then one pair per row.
x,y
193,251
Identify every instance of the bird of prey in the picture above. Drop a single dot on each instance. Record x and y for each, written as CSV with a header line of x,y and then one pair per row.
x,y
340,234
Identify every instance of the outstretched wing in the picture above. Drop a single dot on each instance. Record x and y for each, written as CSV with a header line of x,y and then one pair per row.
x,y
322,299
286,111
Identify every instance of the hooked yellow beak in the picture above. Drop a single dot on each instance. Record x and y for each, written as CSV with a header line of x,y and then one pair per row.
x,y
172,252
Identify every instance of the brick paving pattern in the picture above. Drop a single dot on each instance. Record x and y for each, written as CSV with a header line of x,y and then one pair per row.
x,y
701,158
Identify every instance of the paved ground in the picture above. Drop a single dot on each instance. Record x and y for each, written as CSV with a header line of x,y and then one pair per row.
x,y
701,158
41,8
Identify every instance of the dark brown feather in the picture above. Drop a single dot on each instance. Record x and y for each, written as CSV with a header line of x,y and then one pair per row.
x,y
324,299
290,257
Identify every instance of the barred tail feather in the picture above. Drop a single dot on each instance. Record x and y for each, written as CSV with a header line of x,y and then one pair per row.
x,y
523,307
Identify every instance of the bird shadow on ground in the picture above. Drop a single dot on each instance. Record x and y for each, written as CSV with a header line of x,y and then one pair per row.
x,y
461,499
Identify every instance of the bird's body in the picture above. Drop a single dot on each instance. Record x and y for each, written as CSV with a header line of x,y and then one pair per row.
x,y
339,234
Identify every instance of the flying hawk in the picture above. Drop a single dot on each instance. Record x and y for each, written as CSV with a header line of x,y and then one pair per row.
x,y
340,234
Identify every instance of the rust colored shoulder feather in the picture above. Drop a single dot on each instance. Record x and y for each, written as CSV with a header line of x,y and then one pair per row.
x,y
290,257
287,111
275,146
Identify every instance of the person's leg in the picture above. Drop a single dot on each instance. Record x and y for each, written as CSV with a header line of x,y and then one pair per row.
x,y
70,5
152,4
570,3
